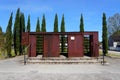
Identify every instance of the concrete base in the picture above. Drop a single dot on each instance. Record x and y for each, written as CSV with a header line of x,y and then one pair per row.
x,y
63,60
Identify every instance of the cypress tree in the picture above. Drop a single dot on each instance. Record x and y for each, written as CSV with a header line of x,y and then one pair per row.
x,y
43,29
28,24
2,42
82,30
56,23
104,35
63,40
1,38
38,45
63,24
38,26
22,22
17,33
22,29
9,36
81,24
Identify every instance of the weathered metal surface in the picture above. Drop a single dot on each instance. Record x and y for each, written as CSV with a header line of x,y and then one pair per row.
x,y
51,46
25,40
32,48
95,45
61,33
75,45
52,42
91,45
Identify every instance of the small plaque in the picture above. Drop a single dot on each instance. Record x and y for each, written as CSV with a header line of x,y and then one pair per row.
x,y
72,38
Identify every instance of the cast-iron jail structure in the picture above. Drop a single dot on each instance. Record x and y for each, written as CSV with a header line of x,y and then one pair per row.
x,y
77,44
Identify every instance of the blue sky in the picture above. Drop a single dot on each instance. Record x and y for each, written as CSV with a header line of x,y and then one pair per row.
x,y
92,11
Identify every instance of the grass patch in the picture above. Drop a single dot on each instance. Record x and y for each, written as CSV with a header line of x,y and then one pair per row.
x,y
0,56
3,56
100,52
110,54
114,55
12,53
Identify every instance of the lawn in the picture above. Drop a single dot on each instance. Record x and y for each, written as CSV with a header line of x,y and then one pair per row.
x,y
100,52
2,56
114,55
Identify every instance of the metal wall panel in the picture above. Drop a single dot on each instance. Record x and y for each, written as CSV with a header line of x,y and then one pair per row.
x,y
75,45
52,42
32,48
95,45
91,45
51,46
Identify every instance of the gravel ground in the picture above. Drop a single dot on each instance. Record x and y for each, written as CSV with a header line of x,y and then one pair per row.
x,y
13,69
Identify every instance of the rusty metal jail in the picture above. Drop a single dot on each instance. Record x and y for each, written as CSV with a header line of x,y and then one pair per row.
x,y
69,44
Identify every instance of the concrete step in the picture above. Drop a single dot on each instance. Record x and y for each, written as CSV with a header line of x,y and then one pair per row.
x,y
64,61
62,58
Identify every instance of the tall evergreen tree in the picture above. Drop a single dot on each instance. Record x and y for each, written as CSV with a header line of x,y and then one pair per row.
x,y
39,42
1,38
63,39
104,35
38,26
43,29
28,24
9,36
22,22
22,29
81,24
17,33
56,23
2,43
63,24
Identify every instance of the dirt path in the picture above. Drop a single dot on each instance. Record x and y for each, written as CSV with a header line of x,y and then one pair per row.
x,y
13,69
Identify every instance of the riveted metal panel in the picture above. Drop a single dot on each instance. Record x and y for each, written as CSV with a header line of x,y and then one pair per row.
x,y
75,45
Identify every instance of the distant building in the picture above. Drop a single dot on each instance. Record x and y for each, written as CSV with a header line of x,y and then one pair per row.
x,y
114,42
